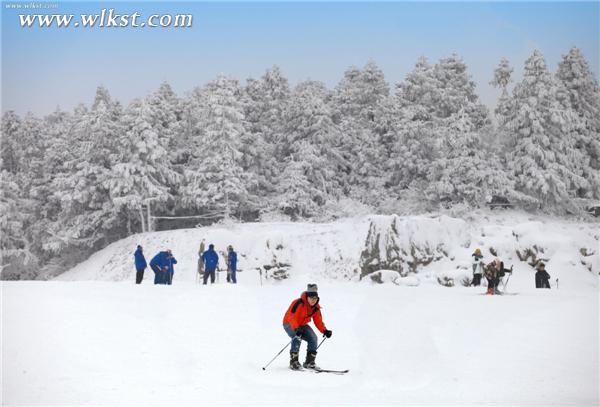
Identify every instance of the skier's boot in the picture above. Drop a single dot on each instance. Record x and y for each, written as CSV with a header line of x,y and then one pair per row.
x,y
294,363
310,360
490,291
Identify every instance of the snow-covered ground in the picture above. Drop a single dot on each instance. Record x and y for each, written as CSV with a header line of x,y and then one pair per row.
x,y
117,343
94,337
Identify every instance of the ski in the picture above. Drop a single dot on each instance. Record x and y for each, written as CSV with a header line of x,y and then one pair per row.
x,y
319,370
330,371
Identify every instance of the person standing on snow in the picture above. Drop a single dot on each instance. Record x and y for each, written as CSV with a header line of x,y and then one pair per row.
x,y
160,265
171,261
477,259
295,324
542,278
211,261
140,264
200,261
493,272
231,265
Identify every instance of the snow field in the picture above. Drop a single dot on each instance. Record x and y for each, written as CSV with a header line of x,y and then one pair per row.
x,y
118,343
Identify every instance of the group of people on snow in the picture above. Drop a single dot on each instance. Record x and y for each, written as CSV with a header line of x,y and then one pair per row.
x,y
495,271
208,263
162,264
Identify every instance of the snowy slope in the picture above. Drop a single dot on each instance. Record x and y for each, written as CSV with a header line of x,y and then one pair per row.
x,y
79,341
313,249
121,344
332,251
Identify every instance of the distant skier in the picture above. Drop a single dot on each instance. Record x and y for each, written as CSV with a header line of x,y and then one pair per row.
x,y
295,323
211,261
171,262
477,261
140,264
493,272
160,265
231,265
542,278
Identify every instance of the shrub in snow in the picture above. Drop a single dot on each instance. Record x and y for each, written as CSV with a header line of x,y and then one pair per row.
x,y
383,276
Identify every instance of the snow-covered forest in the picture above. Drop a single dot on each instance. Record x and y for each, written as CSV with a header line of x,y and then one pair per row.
x,y
73,182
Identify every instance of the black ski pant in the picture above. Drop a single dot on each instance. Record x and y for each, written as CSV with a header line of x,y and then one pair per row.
x,y
493,282
208,272
139,275
476,280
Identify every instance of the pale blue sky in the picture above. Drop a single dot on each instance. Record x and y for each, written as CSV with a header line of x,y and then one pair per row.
x,y
46,68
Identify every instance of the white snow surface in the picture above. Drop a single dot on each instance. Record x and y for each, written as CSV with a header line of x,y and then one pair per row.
x,y
104,340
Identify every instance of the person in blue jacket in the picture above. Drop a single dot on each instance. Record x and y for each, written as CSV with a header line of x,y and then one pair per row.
x,y
160,265
231,265
211,261
140,264
170,267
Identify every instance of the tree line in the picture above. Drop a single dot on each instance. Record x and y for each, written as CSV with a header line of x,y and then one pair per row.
x,y
72,182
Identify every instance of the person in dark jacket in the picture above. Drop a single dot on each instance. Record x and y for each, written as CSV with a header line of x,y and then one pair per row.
x,y
295,323
170,267
140,264
231,265
211,261
542,278
160,265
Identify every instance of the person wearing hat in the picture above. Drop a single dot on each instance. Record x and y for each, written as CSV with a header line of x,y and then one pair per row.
x,y
477,261
542,278
231,265
211,261
493,272
295,323
161,264
171,261
140,264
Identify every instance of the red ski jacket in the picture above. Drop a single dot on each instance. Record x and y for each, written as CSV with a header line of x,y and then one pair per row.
x,y
300,313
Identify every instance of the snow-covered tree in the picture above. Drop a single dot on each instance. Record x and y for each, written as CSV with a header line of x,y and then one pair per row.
x,y
215,179
309,147
355,102
466,171
9,147
265,103
583,94
142,173
82,187
543,158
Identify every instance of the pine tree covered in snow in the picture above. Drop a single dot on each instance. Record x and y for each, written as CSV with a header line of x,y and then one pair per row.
x,y
10,149
409,139
355,102
502,77
17,260
583,94
142,173
309,151
265,103
543,158
215,179
82,187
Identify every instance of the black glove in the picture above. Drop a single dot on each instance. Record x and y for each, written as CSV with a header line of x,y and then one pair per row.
x,y
299,333
327,333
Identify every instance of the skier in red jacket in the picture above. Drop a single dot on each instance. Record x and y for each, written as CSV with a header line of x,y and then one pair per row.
x,y
295,323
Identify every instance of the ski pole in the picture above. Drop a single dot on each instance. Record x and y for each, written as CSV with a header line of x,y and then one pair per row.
x,y
288,344
322,342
